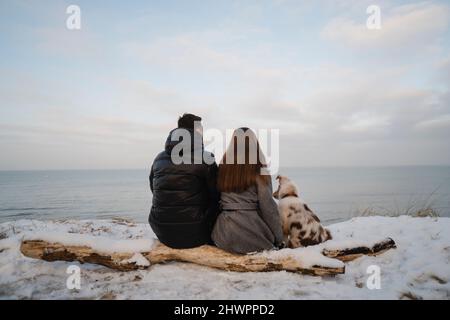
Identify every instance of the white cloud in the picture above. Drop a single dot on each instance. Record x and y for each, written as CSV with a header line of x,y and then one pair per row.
x,y
409,26
215,53
435,123
57,41
361,123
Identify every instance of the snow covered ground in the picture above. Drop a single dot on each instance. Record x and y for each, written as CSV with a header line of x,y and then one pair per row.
x,y
418,269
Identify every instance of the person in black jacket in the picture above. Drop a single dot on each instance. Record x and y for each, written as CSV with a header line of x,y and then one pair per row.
x,y
183,181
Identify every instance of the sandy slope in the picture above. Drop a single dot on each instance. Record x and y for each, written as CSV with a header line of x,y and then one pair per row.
x,y
419,268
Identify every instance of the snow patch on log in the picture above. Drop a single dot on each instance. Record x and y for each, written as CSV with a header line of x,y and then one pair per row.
x,y
306,257
138,259
99,244
349,244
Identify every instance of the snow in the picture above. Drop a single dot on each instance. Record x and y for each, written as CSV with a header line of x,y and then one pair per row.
x,y
418,268
137,259
97,243
308,257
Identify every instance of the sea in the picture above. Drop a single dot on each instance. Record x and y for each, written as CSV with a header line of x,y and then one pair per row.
x,y
334,194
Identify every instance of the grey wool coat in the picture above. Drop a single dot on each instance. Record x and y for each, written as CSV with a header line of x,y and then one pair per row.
x,y
248,221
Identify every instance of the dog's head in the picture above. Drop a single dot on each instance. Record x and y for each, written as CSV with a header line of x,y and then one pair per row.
x,y
286,188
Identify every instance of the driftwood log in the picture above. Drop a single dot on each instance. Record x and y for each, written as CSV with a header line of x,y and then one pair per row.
x,y
211,256
47,251
205,255
350,254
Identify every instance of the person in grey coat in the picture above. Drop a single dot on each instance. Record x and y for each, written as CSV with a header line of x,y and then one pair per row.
x,y
248,219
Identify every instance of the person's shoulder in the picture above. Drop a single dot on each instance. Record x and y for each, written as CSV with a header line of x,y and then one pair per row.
x,y
161,156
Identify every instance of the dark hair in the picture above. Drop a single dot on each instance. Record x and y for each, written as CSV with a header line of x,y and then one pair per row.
x,y
241,172
186,121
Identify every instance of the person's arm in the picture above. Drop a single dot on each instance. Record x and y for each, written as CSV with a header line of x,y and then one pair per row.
x,y
151,179
269,210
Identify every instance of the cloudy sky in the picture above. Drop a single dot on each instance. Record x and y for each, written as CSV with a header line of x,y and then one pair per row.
x,y
106,96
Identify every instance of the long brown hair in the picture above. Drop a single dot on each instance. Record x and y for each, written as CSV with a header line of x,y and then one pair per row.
x,y
242,163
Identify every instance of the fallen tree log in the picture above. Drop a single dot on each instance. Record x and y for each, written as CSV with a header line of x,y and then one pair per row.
x,y
44,250
205,255
209,256
350,254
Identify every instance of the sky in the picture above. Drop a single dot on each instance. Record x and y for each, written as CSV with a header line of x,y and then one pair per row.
x,y
340,94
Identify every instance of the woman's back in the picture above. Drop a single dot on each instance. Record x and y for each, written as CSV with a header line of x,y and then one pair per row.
x,y
248,196
249,220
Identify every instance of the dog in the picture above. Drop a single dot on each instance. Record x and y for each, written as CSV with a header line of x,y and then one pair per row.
x,y
301,227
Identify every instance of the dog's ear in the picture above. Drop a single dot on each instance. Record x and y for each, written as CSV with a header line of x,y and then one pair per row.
x,y
278,177
275,194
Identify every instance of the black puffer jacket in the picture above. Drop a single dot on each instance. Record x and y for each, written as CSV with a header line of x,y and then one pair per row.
x,y
185,199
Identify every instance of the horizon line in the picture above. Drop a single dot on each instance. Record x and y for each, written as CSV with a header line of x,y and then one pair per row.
x,y
287,167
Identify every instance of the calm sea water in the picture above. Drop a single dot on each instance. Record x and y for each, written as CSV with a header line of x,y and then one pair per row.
x,y
335,194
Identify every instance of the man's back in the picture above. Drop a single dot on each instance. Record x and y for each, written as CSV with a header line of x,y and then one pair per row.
x,y
185,199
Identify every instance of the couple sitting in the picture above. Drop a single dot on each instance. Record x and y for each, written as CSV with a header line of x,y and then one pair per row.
x,y
195,202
